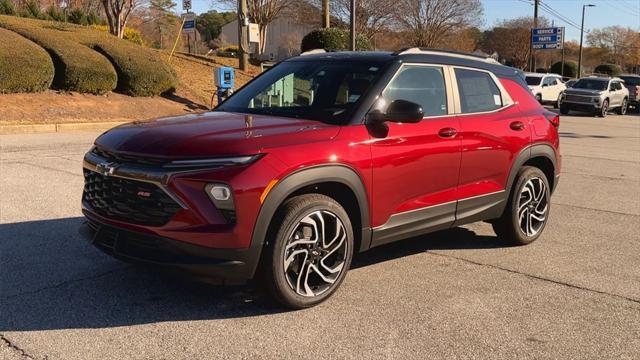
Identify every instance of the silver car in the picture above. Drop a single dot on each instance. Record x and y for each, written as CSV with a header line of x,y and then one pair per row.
x,y
596,95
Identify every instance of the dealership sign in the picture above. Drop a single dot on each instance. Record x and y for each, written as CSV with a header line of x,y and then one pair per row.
x,y
547,38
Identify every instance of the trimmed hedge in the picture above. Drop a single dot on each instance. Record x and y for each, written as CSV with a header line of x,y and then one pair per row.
x,y
77,68
140,71
25,66
570,69
332,39
609,69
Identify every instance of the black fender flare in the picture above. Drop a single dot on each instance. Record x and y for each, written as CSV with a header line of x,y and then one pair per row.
x,y
532,151
304,177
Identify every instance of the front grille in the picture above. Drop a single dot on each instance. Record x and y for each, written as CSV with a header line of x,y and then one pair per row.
x,y
127,200
577,98
127,159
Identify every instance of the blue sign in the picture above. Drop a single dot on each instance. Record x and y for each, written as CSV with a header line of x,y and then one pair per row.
x,y
189,24
547,38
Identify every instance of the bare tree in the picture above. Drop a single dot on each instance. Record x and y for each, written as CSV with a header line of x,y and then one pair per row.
x,y
372,16
621,43
429,21
262,12
117,13
511,40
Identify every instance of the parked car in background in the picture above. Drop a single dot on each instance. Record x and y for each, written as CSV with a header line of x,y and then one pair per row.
x,y
289,182
596,95
547,88
632,83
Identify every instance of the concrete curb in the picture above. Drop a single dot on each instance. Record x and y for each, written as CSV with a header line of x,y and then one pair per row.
x,y
61,127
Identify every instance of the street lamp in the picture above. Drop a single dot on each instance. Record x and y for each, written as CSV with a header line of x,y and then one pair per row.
x,y
581,32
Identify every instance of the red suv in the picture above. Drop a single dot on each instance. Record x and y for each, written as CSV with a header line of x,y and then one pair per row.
x,y
320,157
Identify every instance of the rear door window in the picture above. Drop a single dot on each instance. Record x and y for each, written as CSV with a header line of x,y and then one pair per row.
x,y
477,90
422,85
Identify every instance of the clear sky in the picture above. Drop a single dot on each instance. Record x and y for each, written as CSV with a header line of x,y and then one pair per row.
x,y
606,13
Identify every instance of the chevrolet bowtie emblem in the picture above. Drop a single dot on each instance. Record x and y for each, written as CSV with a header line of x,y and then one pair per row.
x,y
106,168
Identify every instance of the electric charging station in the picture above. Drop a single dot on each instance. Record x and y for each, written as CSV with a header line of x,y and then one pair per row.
x,y
224,78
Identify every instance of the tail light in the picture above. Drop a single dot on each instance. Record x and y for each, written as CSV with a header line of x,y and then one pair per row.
x,y
553,118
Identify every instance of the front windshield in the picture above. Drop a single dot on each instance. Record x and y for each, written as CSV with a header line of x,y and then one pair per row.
x,y
533,80
591,84
322,90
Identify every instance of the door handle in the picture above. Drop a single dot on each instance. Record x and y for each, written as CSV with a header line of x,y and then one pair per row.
x,y
447,132
517,125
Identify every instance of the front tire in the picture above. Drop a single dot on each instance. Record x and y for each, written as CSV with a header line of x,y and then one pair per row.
x,y
564,109
310,252
604,109
527,210
539,98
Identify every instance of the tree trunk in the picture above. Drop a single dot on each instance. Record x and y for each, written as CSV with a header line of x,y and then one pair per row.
x,y
263,39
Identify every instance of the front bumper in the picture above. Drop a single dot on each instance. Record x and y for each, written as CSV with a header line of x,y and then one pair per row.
x,y
228,266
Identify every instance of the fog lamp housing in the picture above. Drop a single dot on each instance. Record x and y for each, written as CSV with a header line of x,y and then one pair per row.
x,y
222,197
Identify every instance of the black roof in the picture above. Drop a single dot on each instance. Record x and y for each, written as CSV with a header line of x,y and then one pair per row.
x,y
427,56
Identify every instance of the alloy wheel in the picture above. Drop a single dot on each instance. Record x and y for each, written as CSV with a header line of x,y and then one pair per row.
x,y
533,206
623,108
315,253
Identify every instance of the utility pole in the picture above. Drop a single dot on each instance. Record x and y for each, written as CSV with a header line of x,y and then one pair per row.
x,y
243,35
581,36
353,25
326,20
535,25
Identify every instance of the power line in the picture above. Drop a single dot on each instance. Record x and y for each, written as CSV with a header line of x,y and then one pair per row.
x,y
549,10
624,11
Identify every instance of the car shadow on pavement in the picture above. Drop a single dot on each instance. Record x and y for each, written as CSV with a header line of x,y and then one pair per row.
x,y
52,279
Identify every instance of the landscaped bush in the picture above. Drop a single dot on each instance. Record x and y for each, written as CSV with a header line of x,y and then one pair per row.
x,y
570,69
332,39
77,67
130,34
609,69
26,67
140,71
7,7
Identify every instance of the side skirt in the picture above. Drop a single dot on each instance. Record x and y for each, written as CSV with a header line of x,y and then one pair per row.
x,y
439,217
415,222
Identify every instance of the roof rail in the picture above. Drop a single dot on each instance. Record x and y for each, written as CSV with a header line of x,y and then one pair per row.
x,y
458,54
314,51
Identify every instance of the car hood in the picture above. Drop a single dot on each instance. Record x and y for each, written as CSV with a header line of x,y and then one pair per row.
x,y
212,134
574,91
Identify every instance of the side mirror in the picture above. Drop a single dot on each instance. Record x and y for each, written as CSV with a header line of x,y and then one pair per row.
x,y
403,111
545,85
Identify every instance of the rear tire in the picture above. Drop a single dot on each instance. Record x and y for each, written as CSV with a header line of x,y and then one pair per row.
x,y
527,210
622,110
558,102
309,255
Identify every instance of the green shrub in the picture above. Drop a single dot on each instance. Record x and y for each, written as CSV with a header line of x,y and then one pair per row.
x,y
55,13
140,71
570,69
30,67
77,16
609,69
77,67
332,39
130,34
7,7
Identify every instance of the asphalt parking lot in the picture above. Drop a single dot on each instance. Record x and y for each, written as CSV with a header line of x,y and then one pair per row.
x,y
575,293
